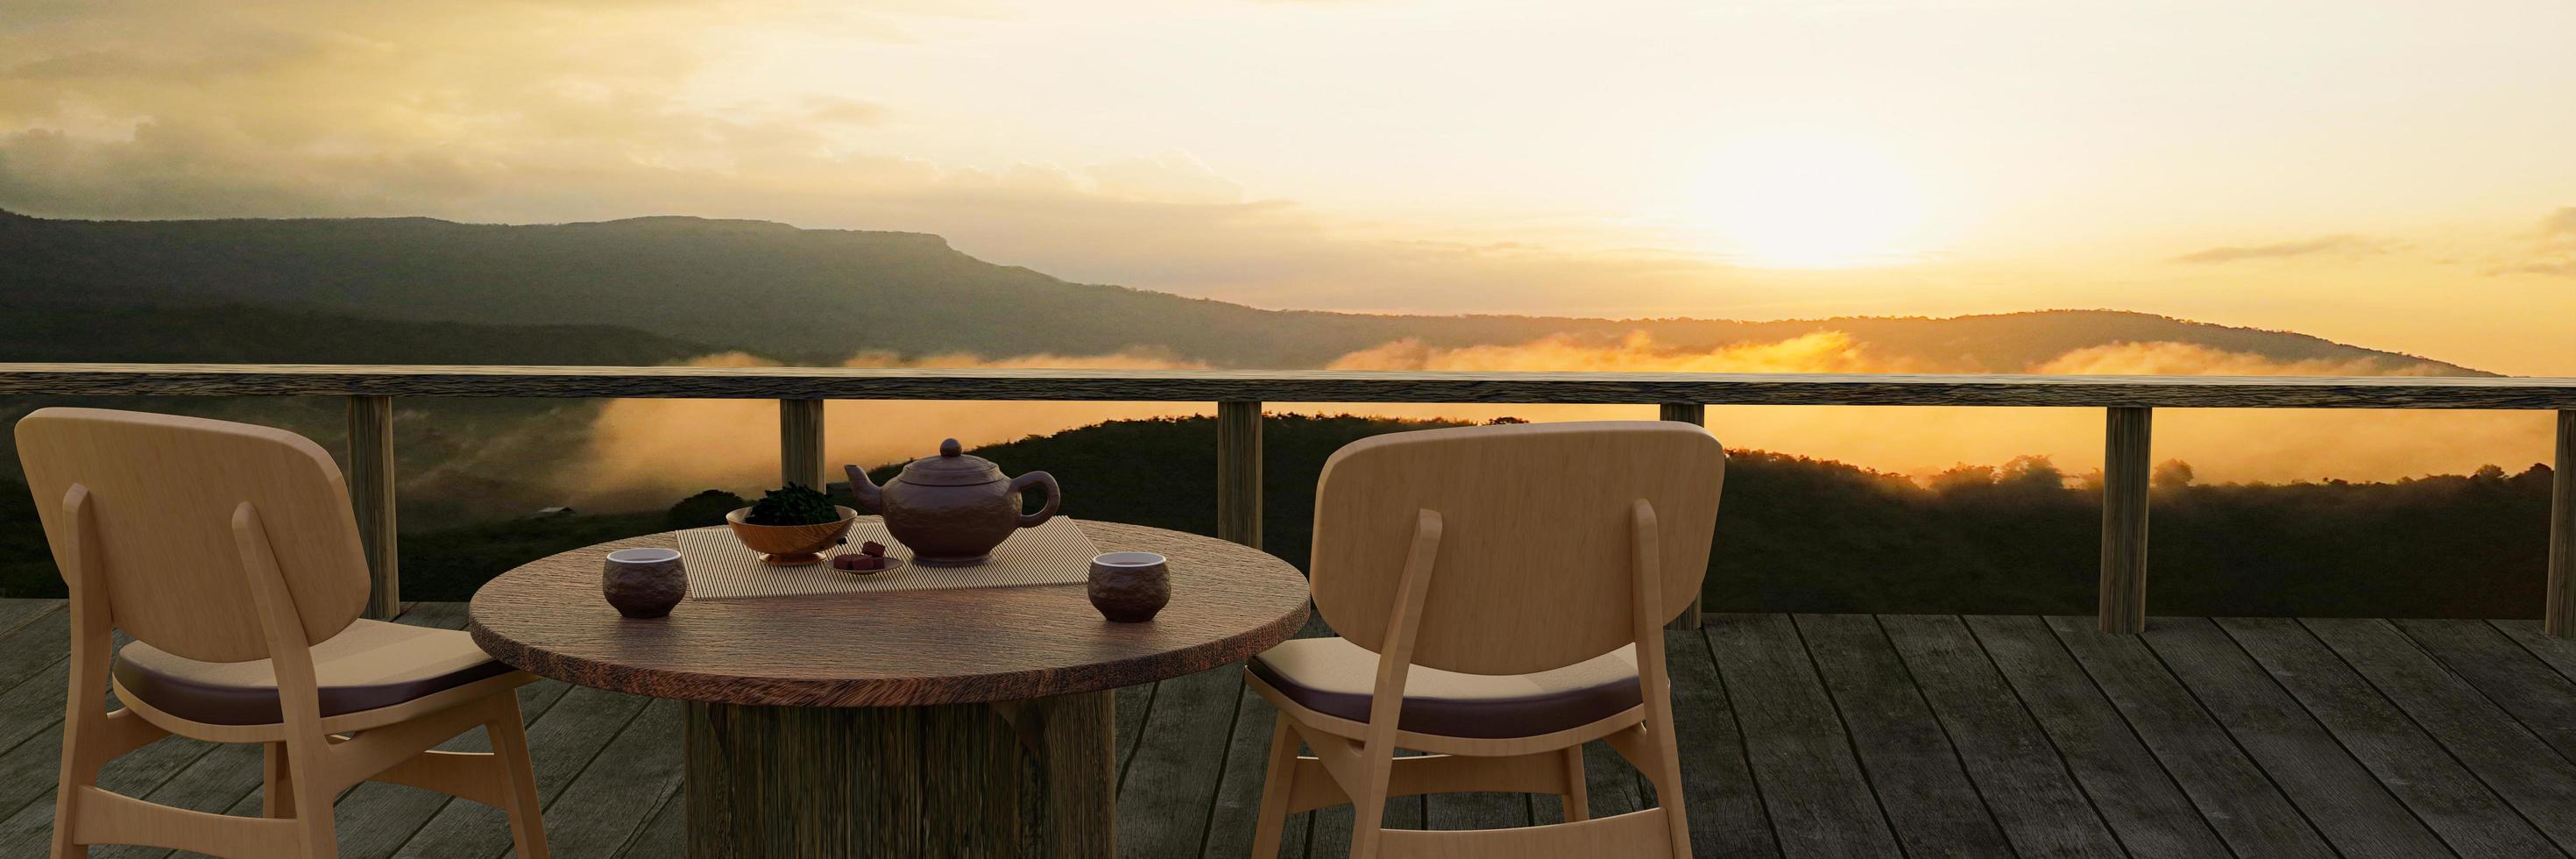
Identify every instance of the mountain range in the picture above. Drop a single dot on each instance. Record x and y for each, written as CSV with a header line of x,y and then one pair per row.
x,y
650,290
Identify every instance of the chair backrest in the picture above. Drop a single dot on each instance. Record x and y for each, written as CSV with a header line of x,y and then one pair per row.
x,y
1535,564
163,490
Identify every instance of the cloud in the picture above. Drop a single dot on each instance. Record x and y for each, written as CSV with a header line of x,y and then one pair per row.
x,y
2343,244
2192,359
646,452
572,110
2553,251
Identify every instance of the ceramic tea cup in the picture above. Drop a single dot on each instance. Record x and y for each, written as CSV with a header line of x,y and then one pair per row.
x,y
643,583
1129,587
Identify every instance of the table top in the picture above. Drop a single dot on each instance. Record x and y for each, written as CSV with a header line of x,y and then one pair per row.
x,y
892,648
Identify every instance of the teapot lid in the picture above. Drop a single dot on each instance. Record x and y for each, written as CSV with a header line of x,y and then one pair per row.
x,y
952,467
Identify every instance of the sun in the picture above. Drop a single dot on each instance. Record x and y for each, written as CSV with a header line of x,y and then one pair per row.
x,y
1807,202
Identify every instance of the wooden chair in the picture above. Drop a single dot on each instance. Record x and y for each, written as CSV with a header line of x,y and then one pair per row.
x,y
230,555
1503,590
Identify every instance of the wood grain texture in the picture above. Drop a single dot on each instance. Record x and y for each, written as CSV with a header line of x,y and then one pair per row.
x,y
2013,763
892,648
1820,802
2449,798
608,775
1695,415
800,443
2352,808
2134,795
1538,517
1238,472
847,781
2127,445
2229,787
371,497
2558,616
871,383
167,487
1907,752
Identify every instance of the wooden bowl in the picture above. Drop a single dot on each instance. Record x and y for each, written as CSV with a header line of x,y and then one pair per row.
x,y
790,545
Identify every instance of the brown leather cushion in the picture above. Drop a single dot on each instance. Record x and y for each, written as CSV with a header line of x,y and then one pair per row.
x,y
1336,678
369,665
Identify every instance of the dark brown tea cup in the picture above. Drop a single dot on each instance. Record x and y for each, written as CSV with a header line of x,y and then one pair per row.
x,y
1130,587
643,583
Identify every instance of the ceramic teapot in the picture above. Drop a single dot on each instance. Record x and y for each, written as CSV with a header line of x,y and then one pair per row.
x,y
952,509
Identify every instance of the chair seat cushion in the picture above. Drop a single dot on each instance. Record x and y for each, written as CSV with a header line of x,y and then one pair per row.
x,y
369,665
1337,678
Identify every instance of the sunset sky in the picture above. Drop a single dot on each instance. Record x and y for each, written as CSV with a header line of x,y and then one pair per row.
x,y
2399,175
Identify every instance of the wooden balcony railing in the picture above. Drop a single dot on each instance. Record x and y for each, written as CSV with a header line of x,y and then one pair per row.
x,y
2129,402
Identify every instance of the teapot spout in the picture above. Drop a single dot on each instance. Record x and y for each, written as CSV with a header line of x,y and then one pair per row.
x,y
863,489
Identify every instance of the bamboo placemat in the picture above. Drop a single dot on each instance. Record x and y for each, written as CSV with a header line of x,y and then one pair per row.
x,y
721,568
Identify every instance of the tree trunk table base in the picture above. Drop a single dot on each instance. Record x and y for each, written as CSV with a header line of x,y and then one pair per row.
x,y
1017,778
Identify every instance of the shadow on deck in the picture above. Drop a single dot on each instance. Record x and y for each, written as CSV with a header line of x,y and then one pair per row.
x,y
1806,736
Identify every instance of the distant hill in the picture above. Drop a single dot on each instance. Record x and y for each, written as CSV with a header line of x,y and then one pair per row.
x,y
58,330
824,294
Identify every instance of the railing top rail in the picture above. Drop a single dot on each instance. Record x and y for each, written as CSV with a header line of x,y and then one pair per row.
x,y
1323,386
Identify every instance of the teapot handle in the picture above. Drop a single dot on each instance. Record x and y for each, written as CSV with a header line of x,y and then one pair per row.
x,y
1055,497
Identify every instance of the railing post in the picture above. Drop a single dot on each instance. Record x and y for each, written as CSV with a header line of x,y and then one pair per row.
x,y
2127,441
1697,415
371,497
1238,471
800,443
2560,615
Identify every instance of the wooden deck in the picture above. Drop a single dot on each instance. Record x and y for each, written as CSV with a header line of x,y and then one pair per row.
x,y
1806,736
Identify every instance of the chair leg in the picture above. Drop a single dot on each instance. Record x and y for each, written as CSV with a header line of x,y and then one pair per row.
x,y
276,786
1578,800
1368,804
1276,787
1667,779
68,786
510,750
308,801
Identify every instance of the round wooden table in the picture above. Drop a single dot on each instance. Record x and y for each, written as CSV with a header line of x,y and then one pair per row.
x,y
897,723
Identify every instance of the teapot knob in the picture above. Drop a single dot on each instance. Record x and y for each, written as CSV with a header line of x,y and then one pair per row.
x,y
948,448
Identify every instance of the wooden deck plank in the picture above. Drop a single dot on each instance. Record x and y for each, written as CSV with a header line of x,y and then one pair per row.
x,y
1238,793
1901,745
1475,810
2233,794
2013,763
2512,761
2559,653
607,804
2444,794
2135,796
1727,820
1609,782
1172,782
29,830
1133,703
36,646
2542,699
1820,803
563,743
15,613
665,834
1763,732
2336,793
